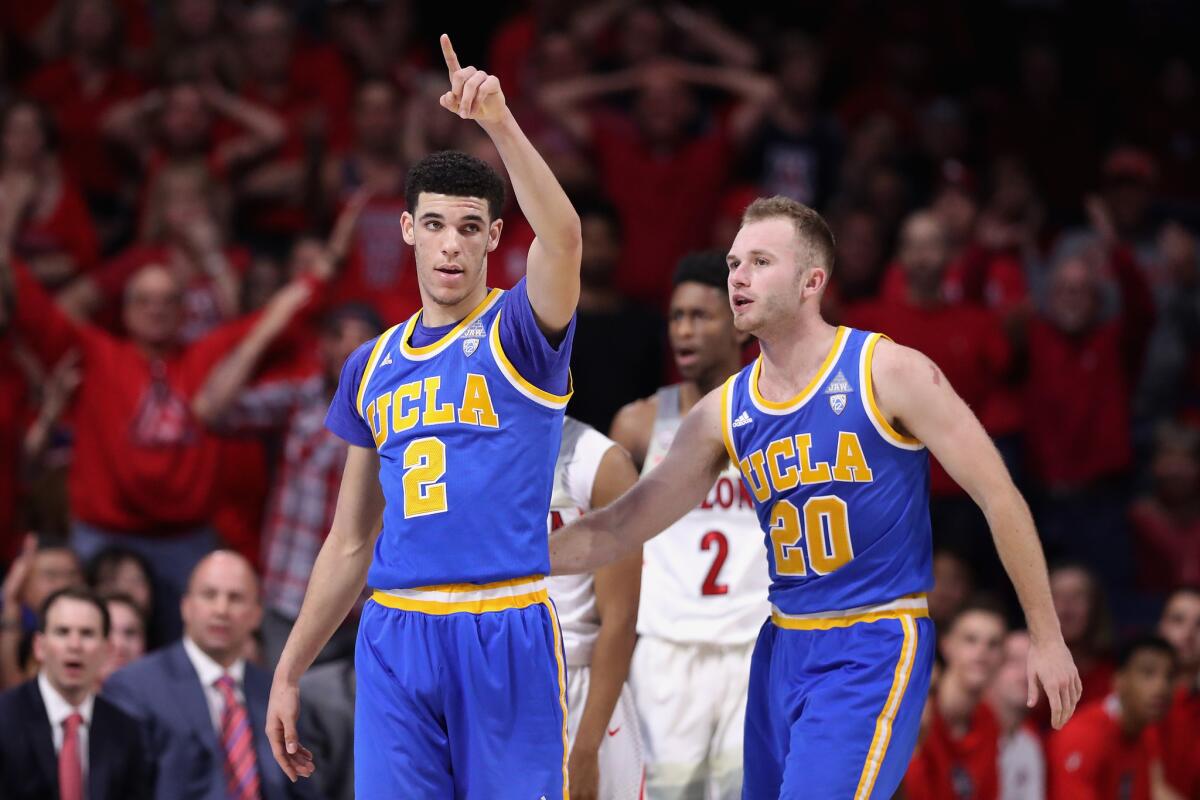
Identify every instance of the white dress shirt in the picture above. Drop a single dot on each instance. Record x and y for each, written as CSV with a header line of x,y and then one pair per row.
x,y
57,710
210,672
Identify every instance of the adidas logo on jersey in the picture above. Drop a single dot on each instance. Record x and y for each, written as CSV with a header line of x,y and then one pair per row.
x,y
743,419
387,360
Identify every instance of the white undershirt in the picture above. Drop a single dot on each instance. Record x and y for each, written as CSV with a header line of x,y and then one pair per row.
x,y
210,672
57,710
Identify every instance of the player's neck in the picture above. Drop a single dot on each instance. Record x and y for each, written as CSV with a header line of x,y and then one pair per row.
x,y
1131,725
792,357
436,315
1009,716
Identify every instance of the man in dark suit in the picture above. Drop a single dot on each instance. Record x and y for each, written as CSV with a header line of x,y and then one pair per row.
x,y
202,707
59,741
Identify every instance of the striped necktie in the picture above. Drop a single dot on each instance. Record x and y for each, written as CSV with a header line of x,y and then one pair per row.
x,y
241,768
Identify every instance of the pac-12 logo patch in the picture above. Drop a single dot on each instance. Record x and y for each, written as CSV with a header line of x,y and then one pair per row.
x,y
471,337
837,390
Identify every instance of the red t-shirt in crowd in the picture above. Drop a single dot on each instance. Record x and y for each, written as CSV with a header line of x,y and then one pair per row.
x,y
67,228
78,110
946,768
1179,736
666,200
965,341
201,306
1092,759
1168,550
142,464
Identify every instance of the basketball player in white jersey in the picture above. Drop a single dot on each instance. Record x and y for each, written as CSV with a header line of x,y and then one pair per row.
x,y
704,580
598,614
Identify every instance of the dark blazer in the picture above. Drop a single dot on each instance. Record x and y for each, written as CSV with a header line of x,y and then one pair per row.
x,y
29,765
163,692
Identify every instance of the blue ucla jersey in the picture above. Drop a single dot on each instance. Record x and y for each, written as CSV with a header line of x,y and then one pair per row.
x,y
467,442
842,496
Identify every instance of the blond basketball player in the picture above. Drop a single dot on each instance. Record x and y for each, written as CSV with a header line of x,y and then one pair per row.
x,y
704,580
598,614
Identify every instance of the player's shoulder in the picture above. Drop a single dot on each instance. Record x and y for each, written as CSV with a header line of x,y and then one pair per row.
x,y
892,362
635,419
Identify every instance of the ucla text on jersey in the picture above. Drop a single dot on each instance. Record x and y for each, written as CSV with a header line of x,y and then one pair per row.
x,y
838,536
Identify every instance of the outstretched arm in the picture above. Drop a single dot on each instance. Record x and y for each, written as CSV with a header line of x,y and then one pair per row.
x,y
672,489
553,264
913,392
338,576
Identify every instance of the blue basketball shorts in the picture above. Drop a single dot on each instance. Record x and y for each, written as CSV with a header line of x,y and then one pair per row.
x,y
835,705
461,693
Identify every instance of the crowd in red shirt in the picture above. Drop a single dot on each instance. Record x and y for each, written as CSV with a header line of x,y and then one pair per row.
x,y
1041,249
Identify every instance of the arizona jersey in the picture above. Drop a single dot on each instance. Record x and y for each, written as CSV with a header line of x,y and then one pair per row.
x,y
703,578
467,442
842,496
574,596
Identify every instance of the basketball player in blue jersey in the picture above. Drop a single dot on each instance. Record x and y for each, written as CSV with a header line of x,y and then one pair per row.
x,y
454,419
831,429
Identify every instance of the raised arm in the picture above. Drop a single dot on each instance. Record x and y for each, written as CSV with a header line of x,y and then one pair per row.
x,y
264,129
338,577
914,394
672,489
553,264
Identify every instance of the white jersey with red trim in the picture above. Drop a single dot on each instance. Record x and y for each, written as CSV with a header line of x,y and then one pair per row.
x,y
704,579
574,596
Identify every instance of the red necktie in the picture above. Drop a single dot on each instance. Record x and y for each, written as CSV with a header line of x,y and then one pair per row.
x,y
70,771
241,768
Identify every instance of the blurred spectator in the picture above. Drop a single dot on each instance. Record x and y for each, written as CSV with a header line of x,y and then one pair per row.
x,y
309,89
618,355
664,167
70,743
1180,626
953,585
79,89
1166,522
184,230
127,634
305,491
1110,747
797,149
195,42
327,693
42,568
1022,759
959,756
201,705
144,471
43,218
1170,381
376,39
192,123
46,448
1168,122
1082,369
1083,614
860,242
967,343
124,573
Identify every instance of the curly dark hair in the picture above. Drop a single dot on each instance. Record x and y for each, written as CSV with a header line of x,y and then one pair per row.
x,y
457,174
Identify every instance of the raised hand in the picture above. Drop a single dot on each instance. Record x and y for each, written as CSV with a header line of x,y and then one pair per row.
x,y
473,94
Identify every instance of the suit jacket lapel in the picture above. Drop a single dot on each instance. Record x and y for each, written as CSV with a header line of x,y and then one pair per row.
x,y
102,750
257,688
40,734
193,703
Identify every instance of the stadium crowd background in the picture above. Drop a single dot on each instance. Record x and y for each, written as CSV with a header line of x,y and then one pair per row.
x,y
1015,188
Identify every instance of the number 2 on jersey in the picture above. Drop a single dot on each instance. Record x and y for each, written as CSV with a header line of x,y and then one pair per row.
x,y
825,553
721,541
424,466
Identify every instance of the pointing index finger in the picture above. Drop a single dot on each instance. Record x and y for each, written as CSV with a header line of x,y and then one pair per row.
x,y
449,54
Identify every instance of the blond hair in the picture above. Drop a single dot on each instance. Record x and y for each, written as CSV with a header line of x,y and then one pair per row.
x,y
811,228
